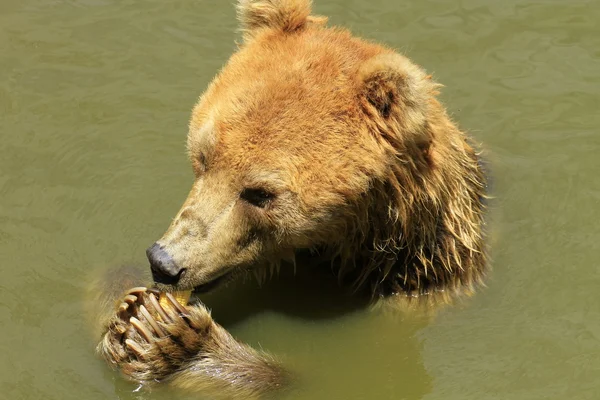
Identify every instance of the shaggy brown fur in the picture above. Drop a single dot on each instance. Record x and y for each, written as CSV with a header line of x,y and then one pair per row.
x,y
313,140
150,343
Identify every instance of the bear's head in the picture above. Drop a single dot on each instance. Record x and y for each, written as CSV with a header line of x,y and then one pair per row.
x,y
312,139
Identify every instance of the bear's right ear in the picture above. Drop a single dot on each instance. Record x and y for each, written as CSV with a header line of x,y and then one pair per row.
x,y
284,15
396,88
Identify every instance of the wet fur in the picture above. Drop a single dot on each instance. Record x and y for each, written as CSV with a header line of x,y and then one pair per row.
x,y
196,354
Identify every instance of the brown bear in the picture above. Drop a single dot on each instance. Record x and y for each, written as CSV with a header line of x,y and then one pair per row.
x,y
309,142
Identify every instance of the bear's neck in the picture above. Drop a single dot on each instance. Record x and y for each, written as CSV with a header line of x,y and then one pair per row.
x,y
430,242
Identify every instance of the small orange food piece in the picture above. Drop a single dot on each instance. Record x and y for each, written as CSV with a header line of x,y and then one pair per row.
x,y
182,297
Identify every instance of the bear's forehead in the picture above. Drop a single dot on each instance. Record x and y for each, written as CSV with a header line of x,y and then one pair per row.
x,y
277,97
283,80
285,103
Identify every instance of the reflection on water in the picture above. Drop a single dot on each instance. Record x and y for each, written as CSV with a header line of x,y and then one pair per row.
x,y
94,102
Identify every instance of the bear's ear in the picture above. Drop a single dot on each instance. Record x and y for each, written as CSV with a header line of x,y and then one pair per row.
x,y
285,15
395,87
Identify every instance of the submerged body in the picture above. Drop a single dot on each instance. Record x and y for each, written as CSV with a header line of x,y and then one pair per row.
x,y
309,141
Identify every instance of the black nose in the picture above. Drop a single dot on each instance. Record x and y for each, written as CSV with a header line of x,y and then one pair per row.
x,y
164,269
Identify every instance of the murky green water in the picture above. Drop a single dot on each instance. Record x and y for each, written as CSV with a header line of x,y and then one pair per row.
x,y
94,101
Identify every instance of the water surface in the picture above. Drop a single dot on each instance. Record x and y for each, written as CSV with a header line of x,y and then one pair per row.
x,y
94,101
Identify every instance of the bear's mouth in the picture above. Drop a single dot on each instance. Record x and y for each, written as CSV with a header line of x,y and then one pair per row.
x,y
213,284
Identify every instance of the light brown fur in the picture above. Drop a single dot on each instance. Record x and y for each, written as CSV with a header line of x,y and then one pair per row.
x,y
357,160
190,351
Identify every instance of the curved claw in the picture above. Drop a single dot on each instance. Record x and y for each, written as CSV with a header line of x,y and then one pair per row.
x,y
171,309
142,330
152,322
136,291
131,299
159,309
136,348
122,310
120,329
181,309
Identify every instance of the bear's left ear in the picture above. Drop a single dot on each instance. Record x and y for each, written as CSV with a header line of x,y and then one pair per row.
x,y
397,88
284,15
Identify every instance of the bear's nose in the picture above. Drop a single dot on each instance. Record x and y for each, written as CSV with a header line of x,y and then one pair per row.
x,y
164,269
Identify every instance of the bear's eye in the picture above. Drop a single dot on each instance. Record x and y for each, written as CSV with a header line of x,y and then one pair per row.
x,y
199,164
202,161
257,197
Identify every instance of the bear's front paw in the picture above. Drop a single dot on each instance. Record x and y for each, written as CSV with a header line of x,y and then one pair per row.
x,y
148,341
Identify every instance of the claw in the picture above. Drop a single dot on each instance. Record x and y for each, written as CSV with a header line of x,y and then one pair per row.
x,y
131,299
159,309
142,330
136,348
181,309
120,329
154,291
136,290
171,310
122,310
150,320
